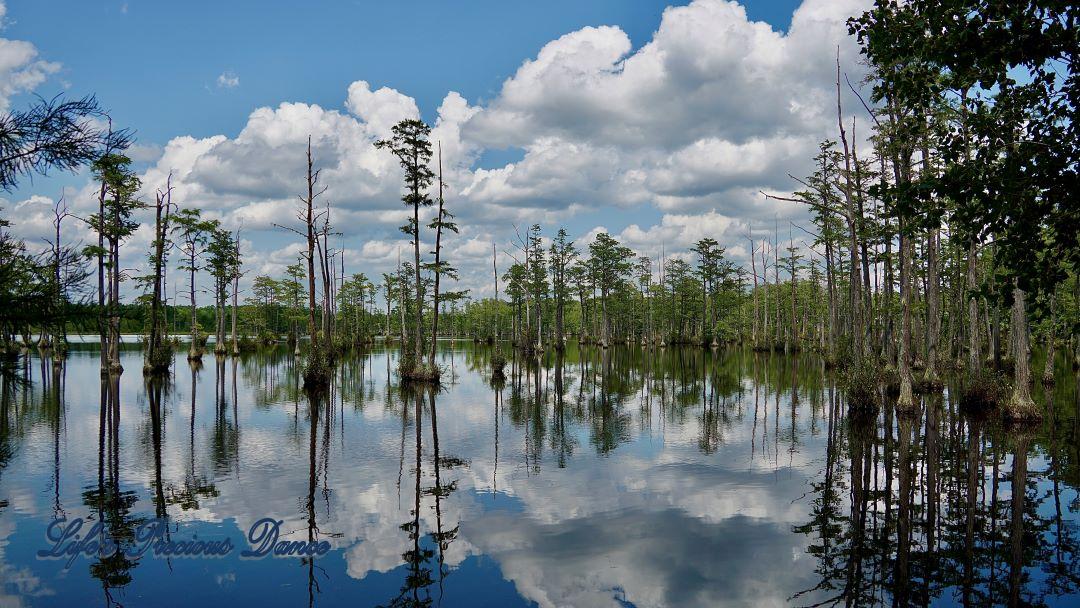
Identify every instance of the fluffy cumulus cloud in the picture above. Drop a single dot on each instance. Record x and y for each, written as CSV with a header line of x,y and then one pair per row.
x,y
21,69
683,131
713,103
708,72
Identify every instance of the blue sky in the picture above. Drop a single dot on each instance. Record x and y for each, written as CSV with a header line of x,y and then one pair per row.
x,y
660,129
155,64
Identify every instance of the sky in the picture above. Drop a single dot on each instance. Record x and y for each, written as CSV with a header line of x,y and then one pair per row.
x,y
658,122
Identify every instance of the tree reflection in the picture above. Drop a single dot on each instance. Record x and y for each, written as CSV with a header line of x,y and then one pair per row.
x,y
195,486
939,514
316,405
937,506
109,503
225,441
418,573
425,555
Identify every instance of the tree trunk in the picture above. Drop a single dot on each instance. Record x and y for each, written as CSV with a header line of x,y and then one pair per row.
x,y
906,400
933,315
402,296
604,321
830,277
310,221
101,281
765,294
194,352
1048,366
236,289
114,304
155,303
974,353
1021,406
438,270
753,271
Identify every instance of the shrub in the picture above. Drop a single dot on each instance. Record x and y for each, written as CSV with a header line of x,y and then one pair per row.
x,y
498,362
159,360
317,371
860,382
983,390
413,369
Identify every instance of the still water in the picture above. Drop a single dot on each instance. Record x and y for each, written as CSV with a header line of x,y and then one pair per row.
x,y
619,478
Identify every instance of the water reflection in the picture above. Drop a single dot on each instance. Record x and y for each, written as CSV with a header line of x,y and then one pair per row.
x,y
592,477
107,502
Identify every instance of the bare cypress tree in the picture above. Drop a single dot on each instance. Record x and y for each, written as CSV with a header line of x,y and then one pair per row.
x,y
158,354
317,371
443,221
61,257
237,261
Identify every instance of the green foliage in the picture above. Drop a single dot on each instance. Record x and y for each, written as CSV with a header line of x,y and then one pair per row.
x,y
410,144
860,383
318,369
159,359
54,134
1008,141
120,184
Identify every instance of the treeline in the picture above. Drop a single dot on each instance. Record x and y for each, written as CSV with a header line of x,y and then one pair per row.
x,y
53,291
974,162
949,243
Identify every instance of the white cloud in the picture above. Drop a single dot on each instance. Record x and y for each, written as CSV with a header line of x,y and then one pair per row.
x,y
687,129
379,110
708,71
21,70
681,231
228,80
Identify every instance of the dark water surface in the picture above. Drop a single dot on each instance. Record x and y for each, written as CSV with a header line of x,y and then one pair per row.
x,y
685,478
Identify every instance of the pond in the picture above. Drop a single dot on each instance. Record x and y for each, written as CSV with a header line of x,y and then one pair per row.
x,y
622,477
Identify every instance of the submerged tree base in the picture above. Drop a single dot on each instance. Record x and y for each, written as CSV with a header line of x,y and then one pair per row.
x,y
158,363
318,370
860,382
982,391
1021,408
927,386
411,369
498,363
890,380
422,373
531,349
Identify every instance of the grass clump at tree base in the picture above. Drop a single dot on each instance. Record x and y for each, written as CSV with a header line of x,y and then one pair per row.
x,y
983,390
498,363
317,371
159,360
413,369
860,382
